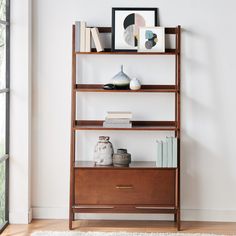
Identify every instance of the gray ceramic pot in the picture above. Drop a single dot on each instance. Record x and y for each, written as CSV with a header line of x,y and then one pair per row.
x,y
121,158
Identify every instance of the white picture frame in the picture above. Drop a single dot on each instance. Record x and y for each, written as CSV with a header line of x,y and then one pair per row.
x,y
151,39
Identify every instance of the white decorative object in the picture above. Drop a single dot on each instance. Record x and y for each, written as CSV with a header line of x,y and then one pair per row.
x,y
135,84
103,152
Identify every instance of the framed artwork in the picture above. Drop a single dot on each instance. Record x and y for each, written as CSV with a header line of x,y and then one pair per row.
x,y
125,26
151,39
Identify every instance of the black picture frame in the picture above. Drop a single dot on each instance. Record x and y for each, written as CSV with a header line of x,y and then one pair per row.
x,y
114,10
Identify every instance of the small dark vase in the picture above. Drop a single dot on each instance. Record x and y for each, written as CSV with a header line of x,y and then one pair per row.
x,y
121,158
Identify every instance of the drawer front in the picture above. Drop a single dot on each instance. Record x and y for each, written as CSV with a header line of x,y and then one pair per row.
x,y
108,187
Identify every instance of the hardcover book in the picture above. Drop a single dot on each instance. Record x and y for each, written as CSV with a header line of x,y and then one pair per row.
x,y
88,40
117,120
159,154
96,39
82,35
170,151
165,154
77,36
175,156
119,115
109,125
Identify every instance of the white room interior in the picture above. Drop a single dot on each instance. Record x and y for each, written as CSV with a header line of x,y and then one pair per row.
x,y
41,94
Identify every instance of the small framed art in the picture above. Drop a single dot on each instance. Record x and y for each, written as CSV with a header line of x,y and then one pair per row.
x,y
151,39
125,26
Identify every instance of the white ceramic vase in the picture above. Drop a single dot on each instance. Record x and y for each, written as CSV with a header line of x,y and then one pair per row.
x,y
135,84
121,80
103,152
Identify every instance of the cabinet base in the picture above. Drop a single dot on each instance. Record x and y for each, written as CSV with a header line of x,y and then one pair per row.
x,y
125,209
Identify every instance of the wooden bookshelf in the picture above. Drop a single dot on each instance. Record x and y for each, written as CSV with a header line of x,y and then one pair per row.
x,y
142,187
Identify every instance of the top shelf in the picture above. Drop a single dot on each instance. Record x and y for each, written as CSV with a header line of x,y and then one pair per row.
x,y
109,52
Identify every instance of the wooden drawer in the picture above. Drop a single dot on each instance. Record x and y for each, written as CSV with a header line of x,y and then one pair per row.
x,y
121,186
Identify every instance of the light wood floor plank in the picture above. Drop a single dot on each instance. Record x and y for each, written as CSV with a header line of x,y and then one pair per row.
x,y
130,226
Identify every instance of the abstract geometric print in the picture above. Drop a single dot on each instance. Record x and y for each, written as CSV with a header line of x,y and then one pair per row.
x,y
131,24
151,39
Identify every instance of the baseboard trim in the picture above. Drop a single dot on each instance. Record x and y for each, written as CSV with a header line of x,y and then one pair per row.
x,y
20,217
186,215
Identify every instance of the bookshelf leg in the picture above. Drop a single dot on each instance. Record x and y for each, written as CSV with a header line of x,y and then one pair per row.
x,y
178,222
71,220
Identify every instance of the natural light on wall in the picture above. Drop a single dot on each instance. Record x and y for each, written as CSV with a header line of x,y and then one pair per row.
x,y
4,110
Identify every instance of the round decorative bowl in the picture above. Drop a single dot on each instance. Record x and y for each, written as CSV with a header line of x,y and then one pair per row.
x,y
122,158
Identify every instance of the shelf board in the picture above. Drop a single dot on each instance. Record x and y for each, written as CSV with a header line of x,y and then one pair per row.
x,y
133,165
107,51
137,125
98,88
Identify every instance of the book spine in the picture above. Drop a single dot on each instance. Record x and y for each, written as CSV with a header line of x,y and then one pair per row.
x,y
77,36
159,154
119,116
175,155
88,40
170,151
165,154
117,121
119,112
107,125
82,35
96,39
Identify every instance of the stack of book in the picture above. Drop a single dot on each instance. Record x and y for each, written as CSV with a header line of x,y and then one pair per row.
x,y
118,119
84,36
167,152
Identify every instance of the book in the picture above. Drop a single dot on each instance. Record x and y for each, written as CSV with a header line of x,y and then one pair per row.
x,y
82,35
108,125
77,36
117,120
119,115
175,152
159,154
165,154
170,151
88,40
96,39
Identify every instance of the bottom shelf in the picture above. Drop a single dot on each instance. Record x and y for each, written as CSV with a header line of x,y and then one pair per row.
x,y
123,209
133,165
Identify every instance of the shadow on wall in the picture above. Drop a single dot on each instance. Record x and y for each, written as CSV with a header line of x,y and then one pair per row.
x,y
205,146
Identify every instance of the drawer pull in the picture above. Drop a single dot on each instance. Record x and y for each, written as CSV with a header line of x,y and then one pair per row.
x,y
124,186
154,208
93,207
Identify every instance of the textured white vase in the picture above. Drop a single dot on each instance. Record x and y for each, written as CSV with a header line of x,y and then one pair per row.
x,y
135,84
103,152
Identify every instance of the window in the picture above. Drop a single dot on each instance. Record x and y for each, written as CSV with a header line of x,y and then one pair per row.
x,y
4,109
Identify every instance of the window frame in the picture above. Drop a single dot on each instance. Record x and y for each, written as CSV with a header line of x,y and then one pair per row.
x,y
6,90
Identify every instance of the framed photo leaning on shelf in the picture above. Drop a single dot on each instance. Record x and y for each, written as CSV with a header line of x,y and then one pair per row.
x,y
151,39
125,26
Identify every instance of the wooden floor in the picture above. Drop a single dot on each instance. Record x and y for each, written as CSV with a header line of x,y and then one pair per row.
x,y
131,226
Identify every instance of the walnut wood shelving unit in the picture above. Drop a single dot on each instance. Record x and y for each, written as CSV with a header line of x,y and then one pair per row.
x,y
105,189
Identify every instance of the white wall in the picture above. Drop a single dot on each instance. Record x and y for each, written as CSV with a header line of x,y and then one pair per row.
x,y
208,99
